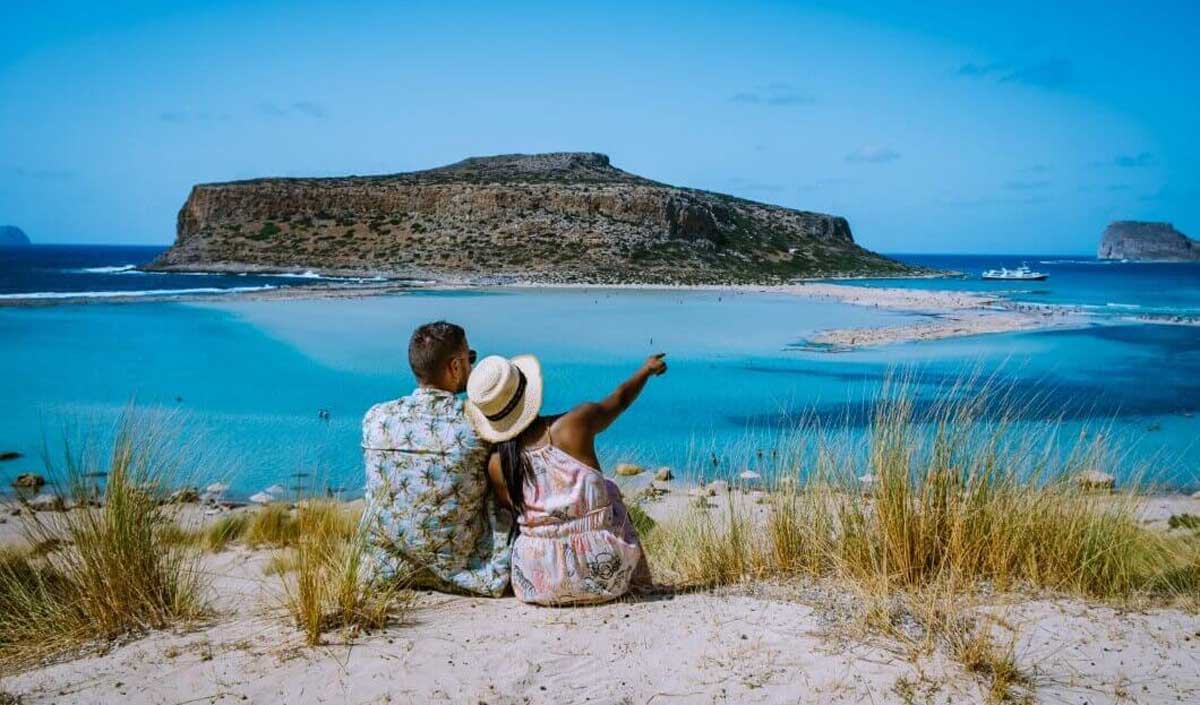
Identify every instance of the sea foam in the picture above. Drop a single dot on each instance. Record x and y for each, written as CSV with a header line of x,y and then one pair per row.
x,y
42,295
112,269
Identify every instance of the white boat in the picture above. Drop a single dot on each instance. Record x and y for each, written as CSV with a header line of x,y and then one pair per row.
x,y
1022,273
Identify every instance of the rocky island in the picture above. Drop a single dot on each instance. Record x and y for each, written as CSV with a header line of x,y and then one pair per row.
x,y
548,218
1147,242
12,236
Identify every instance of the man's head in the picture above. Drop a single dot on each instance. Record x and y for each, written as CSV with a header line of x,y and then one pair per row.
x,y
439,356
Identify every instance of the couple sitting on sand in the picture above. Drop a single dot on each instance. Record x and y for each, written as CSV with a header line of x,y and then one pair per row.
x,y
445,478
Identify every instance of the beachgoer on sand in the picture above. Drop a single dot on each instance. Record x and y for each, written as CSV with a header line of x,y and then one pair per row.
x,y
576,543
430,517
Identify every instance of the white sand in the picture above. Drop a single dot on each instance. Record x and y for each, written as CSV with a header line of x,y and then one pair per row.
x,y
758,643
730,647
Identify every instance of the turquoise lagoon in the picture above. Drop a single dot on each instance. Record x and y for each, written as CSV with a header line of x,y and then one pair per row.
x,y
245,379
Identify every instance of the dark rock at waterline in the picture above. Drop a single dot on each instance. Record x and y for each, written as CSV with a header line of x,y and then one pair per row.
x,y
185,495
28,480
1147,242
10,455
12,236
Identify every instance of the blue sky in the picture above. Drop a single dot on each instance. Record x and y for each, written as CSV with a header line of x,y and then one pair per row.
x,y
933,127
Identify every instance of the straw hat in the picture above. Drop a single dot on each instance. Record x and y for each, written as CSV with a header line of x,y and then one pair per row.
x,y
504,396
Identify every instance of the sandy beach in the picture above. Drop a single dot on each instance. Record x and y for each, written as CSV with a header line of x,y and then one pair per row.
x,y
758,642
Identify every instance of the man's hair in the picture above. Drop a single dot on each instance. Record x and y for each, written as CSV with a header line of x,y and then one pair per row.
x,y
431,347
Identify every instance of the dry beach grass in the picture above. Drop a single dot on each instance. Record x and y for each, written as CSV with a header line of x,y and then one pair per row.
x,y
969,524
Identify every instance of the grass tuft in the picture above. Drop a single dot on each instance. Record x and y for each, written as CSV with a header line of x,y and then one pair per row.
x,y
960,496
224,531
101,572
327,584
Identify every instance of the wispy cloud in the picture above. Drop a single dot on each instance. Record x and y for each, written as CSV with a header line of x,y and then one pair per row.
x,y
1016,185
305,108
775,95
309,108
978,70
1053,73
1168,192
872,154
41,174
1134,161
1038,169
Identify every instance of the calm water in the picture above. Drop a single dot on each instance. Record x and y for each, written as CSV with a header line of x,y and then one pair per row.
x,y
1101,286
247,378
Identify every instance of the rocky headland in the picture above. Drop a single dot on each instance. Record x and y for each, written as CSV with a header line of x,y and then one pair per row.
x,y
552,218
1147,242
12,236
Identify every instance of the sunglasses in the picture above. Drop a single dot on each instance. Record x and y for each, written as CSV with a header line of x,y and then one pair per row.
x,y
472,356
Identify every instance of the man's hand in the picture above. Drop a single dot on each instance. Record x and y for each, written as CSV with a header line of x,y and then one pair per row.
x,y
655,365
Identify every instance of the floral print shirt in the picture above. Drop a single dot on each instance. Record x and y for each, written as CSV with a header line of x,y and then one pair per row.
x,y
429,510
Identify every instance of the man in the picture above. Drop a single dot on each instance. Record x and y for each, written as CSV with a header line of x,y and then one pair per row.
x,y
430,517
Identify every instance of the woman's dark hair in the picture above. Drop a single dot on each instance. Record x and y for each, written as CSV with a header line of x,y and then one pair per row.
x,y
514,465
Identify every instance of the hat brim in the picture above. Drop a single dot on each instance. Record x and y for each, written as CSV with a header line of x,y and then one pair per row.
x,y
520,417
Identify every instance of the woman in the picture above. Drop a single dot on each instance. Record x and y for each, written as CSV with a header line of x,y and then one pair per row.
x,y
576,543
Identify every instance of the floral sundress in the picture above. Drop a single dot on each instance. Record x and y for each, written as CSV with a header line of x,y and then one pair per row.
x,y
577,544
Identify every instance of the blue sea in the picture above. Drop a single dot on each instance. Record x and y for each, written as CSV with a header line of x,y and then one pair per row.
x,y
244,379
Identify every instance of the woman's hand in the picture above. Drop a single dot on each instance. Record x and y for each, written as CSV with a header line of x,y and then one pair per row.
x,y
597,416
655,365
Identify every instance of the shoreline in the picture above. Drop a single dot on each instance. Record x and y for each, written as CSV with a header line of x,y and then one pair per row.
x,y
948,314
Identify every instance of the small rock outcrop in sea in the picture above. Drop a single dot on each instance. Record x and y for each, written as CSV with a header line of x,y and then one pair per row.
x,y
184,495
10,455
552,218
628,470
1096,480
12,236
1147,242
28,480
664,474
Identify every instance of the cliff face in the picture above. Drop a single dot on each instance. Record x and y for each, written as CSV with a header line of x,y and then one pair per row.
x,y
1148,242
12,236
564,217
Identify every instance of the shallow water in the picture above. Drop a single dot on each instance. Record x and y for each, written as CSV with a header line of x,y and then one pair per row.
x,y
248,377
